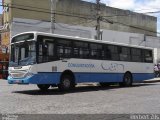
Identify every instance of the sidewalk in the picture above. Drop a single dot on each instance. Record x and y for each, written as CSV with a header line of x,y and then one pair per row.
x,y
152,80
3,79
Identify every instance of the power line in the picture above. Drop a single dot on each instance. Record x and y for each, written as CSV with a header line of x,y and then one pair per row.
x,y
122,15
34,9
82,17
136,27
55,12
58,11
153,12
69,28
46,10
79,14
84,22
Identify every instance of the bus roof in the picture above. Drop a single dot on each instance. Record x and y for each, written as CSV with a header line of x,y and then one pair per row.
x,y
83,39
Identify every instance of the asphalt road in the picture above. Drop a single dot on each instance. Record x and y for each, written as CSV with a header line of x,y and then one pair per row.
x,y
27,99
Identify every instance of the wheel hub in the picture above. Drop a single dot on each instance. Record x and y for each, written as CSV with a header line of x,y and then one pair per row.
x,y
66,83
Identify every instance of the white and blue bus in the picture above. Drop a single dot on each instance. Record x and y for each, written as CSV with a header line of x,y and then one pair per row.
x,y
48,60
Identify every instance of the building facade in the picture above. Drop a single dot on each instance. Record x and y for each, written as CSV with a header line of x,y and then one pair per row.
x,y
1,19
78,18
4,56
77,12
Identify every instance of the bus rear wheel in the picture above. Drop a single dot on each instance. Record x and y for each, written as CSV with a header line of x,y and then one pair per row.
x,y
43,87
127,80
66,83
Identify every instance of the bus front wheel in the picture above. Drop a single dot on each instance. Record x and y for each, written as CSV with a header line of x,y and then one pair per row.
x,y
43,87
66,83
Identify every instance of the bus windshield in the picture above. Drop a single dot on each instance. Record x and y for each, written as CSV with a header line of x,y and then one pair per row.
x,y
23,53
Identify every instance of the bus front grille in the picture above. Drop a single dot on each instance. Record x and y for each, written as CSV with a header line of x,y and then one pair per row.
x,y
17,75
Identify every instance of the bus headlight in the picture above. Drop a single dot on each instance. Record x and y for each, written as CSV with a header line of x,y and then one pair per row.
x,y
10,75
29,74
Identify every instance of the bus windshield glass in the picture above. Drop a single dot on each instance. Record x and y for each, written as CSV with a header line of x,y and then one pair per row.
x,y
23,53
23,37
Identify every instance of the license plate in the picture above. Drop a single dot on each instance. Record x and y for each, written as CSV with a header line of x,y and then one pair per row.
x,y
17,81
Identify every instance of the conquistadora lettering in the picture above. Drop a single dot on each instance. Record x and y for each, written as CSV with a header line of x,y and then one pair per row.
x,y
81,65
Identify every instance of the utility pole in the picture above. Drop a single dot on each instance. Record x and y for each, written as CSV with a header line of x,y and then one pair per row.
x,y
98,20
53,9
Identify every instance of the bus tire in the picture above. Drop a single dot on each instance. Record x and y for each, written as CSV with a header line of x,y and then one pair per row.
x,y
66,83
104,84
43,87
127,80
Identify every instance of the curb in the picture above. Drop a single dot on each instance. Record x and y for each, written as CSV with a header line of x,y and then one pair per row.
x,y
152,81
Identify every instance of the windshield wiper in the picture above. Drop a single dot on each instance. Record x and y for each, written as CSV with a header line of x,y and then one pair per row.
x,y
13,64
27,61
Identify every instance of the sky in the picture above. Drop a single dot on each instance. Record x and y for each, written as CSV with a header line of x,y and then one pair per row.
x,y
140,6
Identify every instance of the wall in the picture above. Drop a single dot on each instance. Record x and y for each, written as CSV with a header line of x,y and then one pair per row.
x,y
23,25
66,9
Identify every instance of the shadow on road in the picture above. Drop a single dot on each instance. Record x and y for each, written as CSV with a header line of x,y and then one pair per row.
x,y
90,88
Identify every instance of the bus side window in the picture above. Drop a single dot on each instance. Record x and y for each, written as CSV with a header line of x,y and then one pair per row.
x,y
43,55
76,52
67,51
124,53
64,48
112,52
59,51
147,54
40,49
108,54
45,49
96,51
81,50
40,52
136,55
49,48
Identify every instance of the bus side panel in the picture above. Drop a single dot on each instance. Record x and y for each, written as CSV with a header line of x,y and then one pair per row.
x,y
82,77
98,77
106,77
140,77
45,78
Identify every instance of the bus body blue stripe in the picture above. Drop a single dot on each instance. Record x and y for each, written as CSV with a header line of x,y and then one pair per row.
x,y
139,77
98,77
54,78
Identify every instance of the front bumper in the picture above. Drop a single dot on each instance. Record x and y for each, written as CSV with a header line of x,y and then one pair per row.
x,y
40,78
18,80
